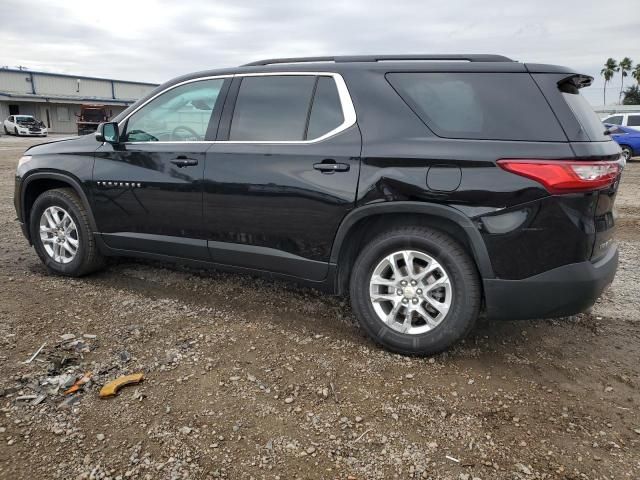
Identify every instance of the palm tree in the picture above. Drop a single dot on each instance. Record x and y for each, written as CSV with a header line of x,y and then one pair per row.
x,y
610,68
636,73
625,66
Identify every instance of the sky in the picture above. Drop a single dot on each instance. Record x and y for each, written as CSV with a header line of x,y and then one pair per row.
x,y
153,41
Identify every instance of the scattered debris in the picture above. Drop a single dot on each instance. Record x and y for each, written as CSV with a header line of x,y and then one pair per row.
x,y
39,399
111,388
26,397
67,337
79,383
363,434
452,459
33,357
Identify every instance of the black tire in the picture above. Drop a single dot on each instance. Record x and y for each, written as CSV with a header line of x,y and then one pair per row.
x,y
462,273
627,153
5,130
15,131
87,259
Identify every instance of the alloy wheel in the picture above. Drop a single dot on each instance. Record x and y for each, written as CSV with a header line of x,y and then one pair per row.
x,y
59,234
410,292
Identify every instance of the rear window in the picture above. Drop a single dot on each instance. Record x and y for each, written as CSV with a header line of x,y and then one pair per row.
x,y
490,106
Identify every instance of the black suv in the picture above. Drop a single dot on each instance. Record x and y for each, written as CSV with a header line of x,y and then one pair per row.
x,y
427,187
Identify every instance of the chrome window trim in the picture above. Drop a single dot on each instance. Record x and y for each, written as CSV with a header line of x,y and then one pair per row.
x,y
348,110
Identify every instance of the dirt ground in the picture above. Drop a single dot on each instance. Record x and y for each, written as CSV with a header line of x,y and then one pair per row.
x,y
252,379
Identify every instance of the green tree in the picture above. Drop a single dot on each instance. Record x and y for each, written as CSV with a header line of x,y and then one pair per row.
x,y
636,73
609,70
631,95
625,66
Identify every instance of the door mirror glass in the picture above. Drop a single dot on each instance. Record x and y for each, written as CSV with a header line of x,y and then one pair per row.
x,y
108,132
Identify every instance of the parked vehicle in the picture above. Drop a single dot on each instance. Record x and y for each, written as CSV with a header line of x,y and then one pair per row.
x,y
90,117
24,125
627,138
425,190
631,120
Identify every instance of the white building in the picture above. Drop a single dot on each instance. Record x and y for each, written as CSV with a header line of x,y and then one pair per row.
x,y
56,98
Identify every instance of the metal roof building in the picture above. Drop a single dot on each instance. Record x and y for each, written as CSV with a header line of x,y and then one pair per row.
x,y
56,98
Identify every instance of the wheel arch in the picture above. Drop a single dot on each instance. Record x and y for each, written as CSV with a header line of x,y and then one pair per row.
x,y
37,183
366,220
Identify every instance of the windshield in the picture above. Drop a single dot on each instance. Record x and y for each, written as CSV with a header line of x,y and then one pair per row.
x,y
25,119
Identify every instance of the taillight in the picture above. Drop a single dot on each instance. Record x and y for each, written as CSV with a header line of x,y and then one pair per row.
x,y
565,176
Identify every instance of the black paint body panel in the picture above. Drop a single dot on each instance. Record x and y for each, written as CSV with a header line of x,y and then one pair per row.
x,y
263,208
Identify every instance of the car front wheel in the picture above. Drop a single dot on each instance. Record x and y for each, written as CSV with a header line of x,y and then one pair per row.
x,y
415,290
627,153
62,234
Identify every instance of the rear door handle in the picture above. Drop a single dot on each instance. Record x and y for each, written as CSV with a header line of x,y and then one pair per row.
x,y
182,162
330,167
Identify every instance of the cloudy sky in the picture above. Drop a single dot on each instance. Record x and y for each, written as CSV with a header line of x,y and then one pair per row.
x,y
153,41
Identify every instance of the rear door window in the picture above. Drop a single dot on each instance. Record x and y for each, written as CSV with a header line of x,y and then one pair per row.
x,y
490,106
326,112
633,121
272,108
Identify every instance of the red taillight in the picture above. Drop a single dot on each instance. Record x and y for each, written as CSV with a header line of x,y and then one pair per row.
x,y
565,176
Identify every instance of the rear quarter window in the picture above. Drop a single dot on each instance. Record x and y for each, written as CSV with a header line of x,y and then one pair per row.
x,y
586,117
488,106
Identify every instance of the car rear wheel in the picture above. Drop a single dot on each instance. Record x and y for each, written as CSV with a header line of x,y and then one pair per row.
x,y
415,290
627,153
62,234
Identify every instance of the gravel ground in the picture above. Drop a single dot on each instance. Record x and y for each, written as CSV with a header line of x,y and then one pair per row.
x,y
253,379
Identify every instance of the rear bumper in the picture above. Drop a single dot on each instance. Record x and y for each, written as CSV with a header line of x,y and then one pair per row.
x,y
563,291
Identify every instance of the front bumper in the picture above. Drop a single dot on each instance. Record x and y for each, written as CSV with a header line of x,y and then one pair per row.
x,y
33,134
559,292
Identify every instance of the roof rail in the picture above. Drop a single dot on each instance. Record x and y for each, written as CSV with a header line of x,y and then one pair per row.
x,y
383,58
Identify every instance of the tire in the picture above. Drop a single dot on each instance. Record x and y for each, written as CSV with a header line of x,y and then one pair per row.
x,y
461,287
87,258
627,153
6,132
15,131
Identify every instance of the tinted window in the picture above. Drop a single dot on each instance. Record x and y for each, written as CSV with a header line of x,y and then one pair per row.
x,y
326,112
633,121
615,120
272,108
492,106
589,121
181,114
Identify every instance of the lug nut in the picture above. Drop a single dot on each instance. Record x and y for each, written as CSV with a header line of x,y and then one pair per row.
x,y
415,300
403,283
419,291
399,291
413,283
405,300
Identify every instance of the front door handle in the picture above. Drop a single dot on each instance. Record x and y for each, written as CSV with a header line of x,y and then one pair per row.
x,y
183,161
331,166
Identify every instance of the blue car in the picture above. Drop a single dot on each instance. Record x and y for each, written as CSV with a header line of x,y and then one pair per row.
x,y
627,138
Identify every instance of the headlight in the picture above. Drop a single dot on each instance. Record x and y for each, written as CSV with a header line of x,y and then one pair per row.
x,y
24,159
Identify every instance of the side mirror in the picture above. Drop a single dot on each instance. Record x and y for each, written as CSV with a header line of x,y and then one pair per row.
x,y
108,132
